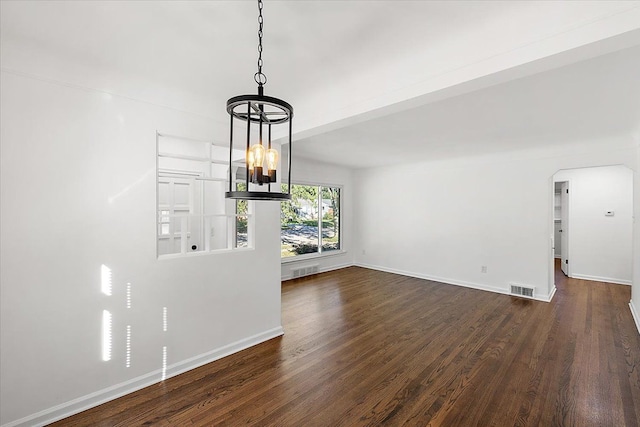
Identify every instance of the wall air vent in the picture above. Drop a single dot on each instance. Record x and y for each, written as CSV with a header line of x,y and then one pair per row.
x,y
523,291
305,271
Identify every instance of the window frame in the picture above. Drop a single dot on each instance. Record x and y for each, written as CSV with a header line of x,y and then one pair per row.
x,y
232,232
319,253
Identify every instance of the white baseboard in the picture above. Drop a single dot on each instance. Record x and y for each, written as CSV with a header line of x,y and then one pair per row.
x,y
322,270
545,298
601,279
635,314
99,397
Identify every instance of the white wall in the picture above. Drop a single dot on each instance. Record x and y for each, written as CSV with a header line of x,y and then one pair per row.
x,y
445,220
78,191
305,171
635,291
600,247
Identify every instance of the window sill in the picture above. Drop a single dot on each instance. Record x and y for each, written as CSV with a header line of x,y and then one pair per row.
x,y
200,253
304,257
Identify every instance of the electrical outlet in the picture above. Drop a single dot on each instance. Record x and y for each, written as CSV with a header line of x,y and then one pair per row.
x,y
364,252
213,232
483,269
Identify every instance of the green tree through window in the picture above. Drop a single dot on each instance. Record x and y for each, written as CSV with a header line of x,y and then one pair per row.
x,y
310,222
242,208
330,219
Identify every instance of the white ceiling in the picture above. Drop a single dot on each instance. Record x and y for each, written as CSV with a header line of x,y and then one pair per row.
x,y
584,101
461,73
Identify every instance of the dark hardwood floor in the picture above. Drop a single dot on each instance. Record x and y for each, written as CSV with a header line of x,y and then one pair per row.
x,y
366,348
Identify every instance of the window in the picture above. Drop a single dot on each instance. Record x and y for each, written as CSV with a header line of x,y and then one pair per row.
x,y
310,222
193,214
242,219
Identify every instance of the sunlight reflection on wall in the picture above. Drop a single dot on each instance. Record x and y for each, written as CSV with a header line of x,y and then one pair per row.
x,y
164,363
123,335
128,351
106,335
164,319
164,348
128,295
105,273
105,287
128,338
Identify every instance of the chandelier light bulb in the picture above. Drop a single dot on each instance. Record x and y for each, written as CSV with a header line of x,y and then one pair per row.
x,y
257,150
272,159
251,160
272,163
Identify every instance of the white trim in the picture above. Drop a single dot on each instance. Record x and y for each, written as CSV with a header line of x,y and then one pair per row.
x,y
198,140
455,282
323,270
547,298
200,253
197,178
314,255
318,184
635,314
99,397
601,279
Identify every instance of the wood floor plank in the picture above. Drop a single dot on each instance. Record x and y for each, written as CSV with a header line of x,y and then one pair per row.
x,y
368,348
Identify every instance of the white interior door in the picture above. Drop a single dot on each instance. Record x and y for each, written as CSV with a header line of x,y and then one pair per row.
x,y
557,239
179,227
564,228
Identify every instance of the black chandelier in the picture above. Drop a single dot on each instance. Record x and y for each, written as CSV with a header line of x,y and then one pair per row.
x,y
260,112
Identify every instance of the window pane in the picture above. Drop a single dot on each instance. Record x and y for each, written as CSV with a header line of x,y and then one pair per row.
x,y
193,213
241,232
242,207
299,221
330,219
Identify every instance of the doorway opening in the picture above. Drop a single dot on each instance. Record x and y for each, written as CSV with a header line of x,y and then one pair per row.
x,y
593,224
561,225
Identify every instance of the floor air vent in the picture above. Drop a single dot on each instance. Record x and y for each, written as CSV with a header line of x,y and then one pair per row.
x,y
522,291
305,271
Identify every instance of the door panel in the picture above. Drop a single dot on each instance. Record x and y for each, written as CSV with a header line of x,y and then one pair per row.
x,y
179,205
557,239
564,230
